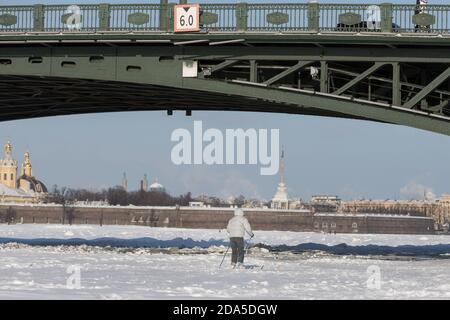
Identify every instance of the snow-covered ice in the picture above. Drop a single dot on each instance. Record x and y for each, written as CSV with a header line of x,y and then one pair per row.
x,y
124,262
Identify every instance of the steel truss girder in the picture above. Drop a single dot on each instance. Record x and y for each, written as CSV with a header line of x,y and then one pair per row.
x,y
428,89
249,38
396,85
359,78
223,65
344,54
114,96
144,67
301,99
281,75
390,81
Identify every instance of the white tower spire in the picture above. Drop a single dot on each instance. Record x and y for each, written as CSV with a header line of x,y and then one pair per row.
x,y
280,200
125,182
282,165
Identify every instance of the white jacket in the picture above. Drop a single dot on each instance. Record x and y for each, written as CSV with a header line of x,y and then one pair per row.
x,y
238,225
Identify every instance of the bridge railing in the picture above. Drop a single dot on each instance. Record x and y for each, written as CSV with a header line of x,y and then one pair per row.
x,y
438,17
249,17
16,18
348,17
278,17
221,17
56,18
141,17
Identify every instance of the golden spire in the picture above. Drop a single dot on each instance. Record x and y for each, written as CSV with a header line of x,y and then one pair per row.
x,y
8,148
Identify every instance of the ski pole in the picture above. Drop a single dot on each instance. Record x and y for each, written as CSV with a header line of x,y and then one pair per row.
x,y
248,245
224,256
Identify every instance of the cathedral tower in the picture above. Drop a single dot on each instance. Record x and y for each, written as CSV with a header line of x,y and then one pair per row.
x,y
144,183
27,168
27,182
8,168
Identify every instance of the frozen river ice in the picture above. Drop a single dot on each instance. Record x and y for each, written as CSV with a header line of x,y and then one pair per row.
x,y
134,268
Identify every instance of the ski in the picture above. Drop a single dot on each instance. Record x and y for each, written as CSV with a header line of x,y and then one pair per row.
x,y
249,267
255,267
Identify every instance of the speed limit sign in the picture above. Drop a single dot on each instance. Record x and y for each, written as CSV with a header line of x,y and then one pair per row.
x,y
187,18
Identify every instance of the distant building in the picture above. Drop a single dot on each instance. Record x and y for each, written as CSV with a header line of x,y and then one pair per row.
x,y
280,200
439,209
372,223
212,201
325,203
157,187
398,207
335,200
442,214
253,203
86,203
445,200
197,204
144,184
295,204
26,187
216,218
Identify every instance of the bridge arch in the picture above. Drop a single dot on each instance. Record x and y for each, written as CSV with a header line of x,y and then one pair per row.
x,y
342,68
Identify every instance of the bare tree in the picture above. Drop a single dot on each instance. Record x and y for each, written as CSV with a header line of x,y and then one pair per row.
x,y
10,215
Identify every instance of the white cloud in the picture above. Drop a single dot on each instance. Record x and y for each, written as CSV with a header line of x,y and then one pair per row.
x,y
221,184
414,190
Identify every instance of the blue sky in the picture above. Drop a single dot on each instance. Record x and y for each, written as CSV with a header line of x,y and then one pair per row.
x,y
350,158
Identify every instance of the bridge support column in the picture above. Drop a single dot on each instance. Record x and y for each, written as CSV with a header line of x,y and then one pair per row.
x,y
253,71
396,85
324,77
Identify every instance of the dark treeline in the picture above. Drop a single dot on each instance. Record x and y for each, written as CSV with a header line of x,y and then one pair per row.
x,y
117,196
8,215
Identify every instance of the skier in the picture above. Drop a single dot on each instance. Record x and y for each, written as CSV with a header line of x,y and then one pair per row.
x,y
237,227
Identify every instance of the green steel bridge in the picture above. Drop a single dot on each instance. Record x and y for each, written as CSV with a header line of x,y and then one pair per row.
x,y
388,63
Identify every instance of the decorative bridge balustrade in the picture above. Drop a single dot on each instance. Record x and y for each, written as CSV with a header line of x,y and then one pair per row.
x,y
239,17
